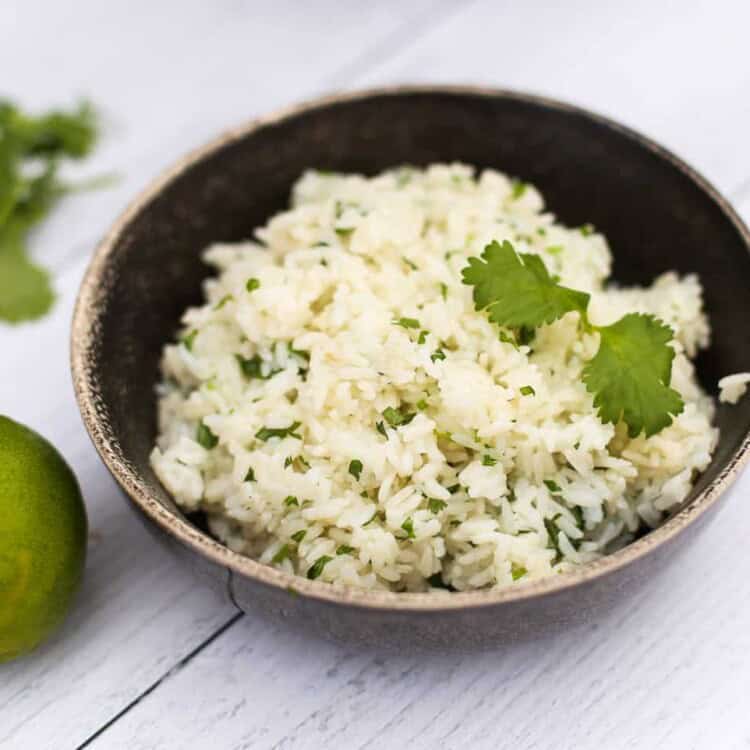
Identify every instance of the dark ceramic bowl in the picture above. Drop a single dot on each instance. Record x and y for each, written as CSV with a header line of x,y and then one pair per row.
x,y
657,213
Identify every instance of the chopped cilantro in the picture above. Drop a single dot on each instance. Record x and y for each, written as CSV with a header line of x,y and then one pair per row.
x,y
453,489
422,404
410,263
577,512
291,500
527,390
344,549
205,437
422,337
253,367
438,354
355,468
587,230
380,427
223,301
298,536
518,189
266,433
541,231
288,461
517,571
435,505
406,322
282,554
372,518
488,460
317,567
343,231
554,533
397,417
189,339
555,249
250,476
553,486
252,285
408,527
443,290
630,374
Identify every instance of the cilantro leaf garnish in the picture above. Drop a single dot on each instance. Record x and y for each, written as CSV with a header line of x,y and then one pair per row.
x,y
516,289
630,374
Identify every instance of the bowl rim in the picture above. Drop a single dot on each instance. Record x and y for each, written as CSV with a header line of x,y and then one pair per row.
x,y
83,334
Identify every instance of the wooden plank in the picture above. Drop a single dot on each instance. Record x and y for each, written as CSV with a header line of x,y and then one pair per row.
x,y
653,674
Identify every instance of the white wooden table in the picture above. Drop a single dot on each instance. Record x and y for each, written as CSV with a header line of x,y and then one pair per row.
x,y
148,659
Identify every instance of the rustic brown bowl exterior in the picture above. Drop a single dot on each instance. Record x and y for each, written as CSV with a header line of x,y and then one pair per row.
x,y
657,213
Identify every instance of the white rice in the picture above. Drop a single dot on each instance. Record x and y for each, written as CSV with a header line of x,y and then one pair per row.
x,y
490,484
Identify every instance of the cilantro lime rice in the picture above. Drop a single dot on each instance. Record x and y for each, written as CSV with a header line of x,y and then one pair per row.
x,y
358,402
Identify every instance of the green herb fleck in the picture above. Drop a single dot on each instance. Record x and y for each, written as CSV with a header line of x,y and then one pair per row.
x,y
555,249
205,437
439,354
517,571
298,536
443,290
527,390
518,189
380,427
410,263
487,460
252,285
406,322
253,367
343,232
223,301
250,476
291,500
422,337
435,505
282,554
266,433
317,567
552,486
355,468
397,417
587,230
189,339
408,527
344,549
577,512
422,404
454,488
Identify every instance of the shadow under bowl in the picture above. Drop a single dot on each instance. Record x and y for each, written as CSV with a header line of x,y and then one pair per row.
x,y
656,212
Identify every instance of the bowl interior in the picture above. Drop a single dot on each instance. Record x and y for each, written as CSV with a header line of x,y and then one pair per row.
x,y
655,213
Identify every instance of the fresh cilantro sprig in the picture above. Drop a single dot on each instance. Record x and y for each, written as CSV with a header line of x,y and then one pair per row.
x,y
31,150
630,374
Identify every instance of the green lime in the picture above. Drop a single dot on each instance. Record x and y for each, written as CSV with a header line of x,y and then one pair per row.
x,y
43,531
